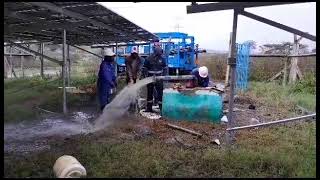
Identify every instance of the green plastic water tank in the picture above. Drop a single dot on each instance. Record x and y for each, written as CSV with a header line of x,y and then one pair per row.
x,y
192,105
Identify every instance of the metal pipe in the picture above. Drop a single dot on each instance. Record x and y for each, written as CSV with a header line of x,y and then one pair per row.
x,y
273,122
168,78
64,72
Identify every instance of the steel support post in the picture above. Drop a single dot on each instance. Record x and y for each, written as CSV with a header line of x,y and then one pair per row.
x,y
41,60
69,64
232,63
64,73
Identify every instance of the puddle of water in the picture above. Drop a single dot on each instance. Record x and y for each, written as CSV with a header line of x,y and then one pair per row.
x,y
22,136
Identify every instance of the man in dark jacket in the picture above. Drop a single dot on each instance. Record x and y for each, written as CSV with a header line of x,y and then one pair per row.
x,y
156,66
106,79
133,64
201,74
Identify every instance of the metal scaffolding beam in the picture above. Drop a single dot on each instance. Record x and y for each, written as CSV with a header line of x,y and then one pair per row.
x,y
197,8
35,52
86,51
86,23
278,25
58,9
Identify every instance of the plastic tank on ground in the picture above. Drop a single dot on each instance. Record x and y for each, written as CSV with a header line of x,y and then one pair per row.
x,y
192,105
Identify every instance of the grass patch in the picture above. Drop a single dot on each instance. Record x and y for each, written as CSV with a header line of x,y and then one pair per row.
x,y
288,97
279,151
276,152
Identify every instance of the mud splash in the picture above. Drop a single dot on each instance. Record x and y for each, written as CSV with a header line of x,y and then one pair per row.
x,y
27,137
31,136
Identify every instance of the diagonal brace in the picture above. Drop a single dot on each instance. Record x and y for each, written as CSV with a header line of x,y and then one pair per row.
x,y
278,25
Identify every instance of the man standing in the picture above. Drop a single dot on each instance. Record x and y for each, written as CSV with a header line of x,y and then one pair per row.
x,y
201,74
133,64
106,78
155,65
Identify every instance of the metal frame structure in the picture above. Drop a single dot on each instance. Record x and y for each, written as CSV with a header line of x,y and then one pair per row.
x,y
86,23
66,23
238,8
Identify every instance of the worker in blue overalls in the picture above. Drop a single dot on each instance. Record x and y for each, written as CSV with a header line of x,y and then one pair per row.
x,y
106,78
202,78
155,65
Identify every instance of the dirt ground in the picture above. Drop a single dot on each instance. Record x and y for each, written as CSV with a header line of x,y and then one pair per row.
x,y
136,127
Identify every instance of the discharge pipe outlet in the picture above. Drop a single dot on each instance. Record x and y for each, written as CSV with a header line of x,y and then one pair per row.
x,y
169,78
68,167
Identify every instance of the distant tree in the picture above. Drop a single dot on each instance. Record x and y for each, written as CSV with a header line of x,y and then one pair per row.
x,y
253,44
282,48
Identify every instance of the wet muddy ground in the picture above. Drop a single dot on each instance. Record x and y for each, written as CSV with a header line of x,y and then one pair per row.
x,y
31,137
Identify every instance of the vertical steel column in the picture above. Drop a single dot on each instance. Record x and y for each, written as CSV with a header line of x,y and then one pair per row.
x,y
285,71
102,52
22,68
11,62
69,64
232,62
226,83
116,64
41,60
64,73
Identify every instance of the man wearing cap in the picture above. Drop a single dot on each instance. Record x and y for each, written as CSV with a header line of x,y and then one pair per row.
x,y
133,64
155,65
106,78
201,74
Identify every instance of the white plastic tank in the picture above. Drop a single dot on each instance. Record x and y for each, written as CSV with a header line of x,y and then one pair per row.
x,y
68,167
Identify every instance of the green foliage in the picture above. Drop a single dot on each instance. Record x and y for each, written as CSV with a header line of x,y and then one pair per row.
x,y
306,85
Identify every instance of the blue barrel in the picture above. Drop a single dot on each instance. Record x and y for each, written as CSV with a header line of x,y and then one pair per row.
x,y
192,105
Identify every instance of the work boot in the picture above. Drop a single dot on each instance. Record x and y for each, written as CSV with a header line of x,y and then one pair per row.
x,y
160,107
149,107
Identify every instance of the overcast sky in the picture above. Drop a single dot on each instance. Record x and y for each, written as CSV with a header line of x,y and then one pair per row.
x,y
211,29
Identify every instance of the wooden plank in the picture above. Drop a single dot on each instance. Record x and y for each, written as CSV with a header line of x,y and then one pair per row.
x,y
276,76
184,129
